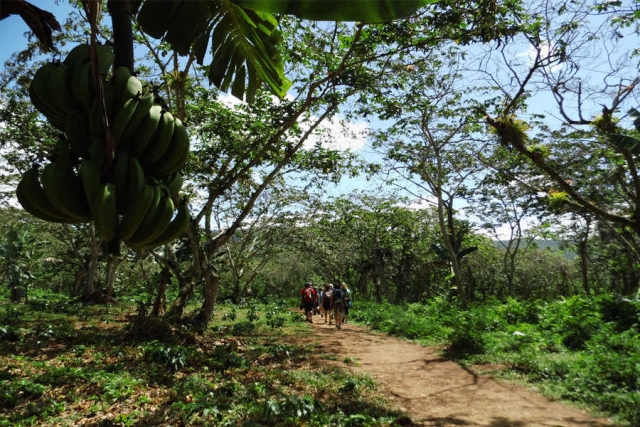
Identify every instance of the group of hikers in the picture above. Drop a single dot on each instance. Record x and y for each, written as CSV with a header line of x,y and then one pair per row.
x,y
332,303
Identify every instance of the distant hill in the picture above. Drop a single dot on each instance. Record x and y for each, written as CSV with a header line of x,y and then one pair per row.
x,y
551,245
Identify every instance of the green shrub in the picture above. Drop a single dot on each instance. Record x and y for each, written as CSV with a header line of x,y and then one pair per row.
x,y
12,392
468,336
575,320
242,328
621,311
172,356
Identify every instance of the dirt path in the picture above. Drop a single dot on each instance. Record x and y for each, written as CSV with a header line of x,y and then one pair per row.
x,y
438,392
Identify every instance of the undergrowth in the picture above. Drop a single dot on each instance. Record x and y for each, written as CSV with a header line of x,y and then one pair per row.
x,y
62,364
581,349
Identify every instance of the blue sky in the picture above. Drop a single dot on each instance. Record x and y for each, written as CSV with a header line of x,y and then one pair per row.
x,y
13,28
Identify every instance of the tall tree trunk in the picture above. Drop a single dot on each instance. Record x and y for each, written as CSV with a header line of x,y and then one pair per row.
x,y
448,239
584,265
160,302
89,285
584,257
210,293
180,303
112,266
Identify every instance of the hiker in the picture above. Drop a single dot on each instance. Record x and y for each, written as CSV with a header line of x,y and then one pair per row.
x,y
320,302
316,302
347,301
337,302
326,303
308,300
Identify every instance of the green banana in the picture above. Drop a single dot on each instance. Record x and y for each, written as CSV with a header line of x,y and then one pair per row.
x,y
146,217
40,94
175,228
122,119
154,224
36,101
146,130
175,156
96,151
81,54
33,199
59,81
160,141
77,132
96,118
64,190
81,85
119,78
125,87
91,182
135,181
142,109
96,122
121,176
105,59
136,211
106,216
77,56
174,184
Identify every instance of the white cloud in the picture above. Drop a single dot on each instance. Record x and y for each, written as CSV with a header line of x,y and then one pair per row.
x,y
547,53
335,133
338,134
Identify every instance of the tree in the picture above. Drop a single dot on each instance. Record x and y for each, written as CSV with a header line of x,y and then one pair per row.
x,y
249,48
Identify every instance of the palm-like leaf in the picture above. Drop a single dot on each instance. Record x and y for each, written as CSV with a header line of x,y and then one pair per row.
x,y
243,42
244,52
244,35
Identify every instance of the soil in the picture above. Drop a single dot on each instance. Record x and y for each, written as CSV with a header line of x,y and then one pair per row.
x,y
434,391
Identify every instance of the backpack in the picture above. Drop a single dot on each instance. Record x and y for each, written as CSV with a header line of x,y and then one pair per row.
x,y
347,297
338,296
308,294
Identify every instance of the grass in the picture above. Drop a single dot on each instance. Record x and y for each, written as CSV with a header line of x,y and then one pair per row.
x,y
65,366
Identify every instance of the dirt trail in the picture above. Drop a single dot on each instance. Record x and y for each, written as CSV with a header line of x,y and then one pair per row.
x,y
437,392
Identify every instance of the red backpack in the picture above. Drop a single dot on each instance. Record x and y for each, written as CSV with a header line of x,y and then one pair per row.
x,y
308,294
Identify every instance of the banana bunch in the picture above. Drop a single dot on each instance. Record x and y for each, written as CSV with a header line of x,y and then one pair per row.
x,y
55,193
59,88
133,198
152,146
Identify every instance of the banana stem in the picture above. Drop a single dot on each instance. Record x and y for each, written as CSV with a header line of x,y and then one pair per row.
x,y
121,21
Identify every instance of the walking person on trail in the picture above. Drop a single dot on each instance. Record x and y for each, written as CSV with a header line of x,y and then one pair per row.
x,y
319,304
326,303
347,301
316,302
308,300
337,302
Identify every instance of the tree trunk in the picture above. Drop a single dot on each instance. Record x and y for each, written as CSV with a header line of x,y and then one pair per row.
x,y
160,302
89,285
112,266
180,303
210,293
120,12
448,239
584,265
